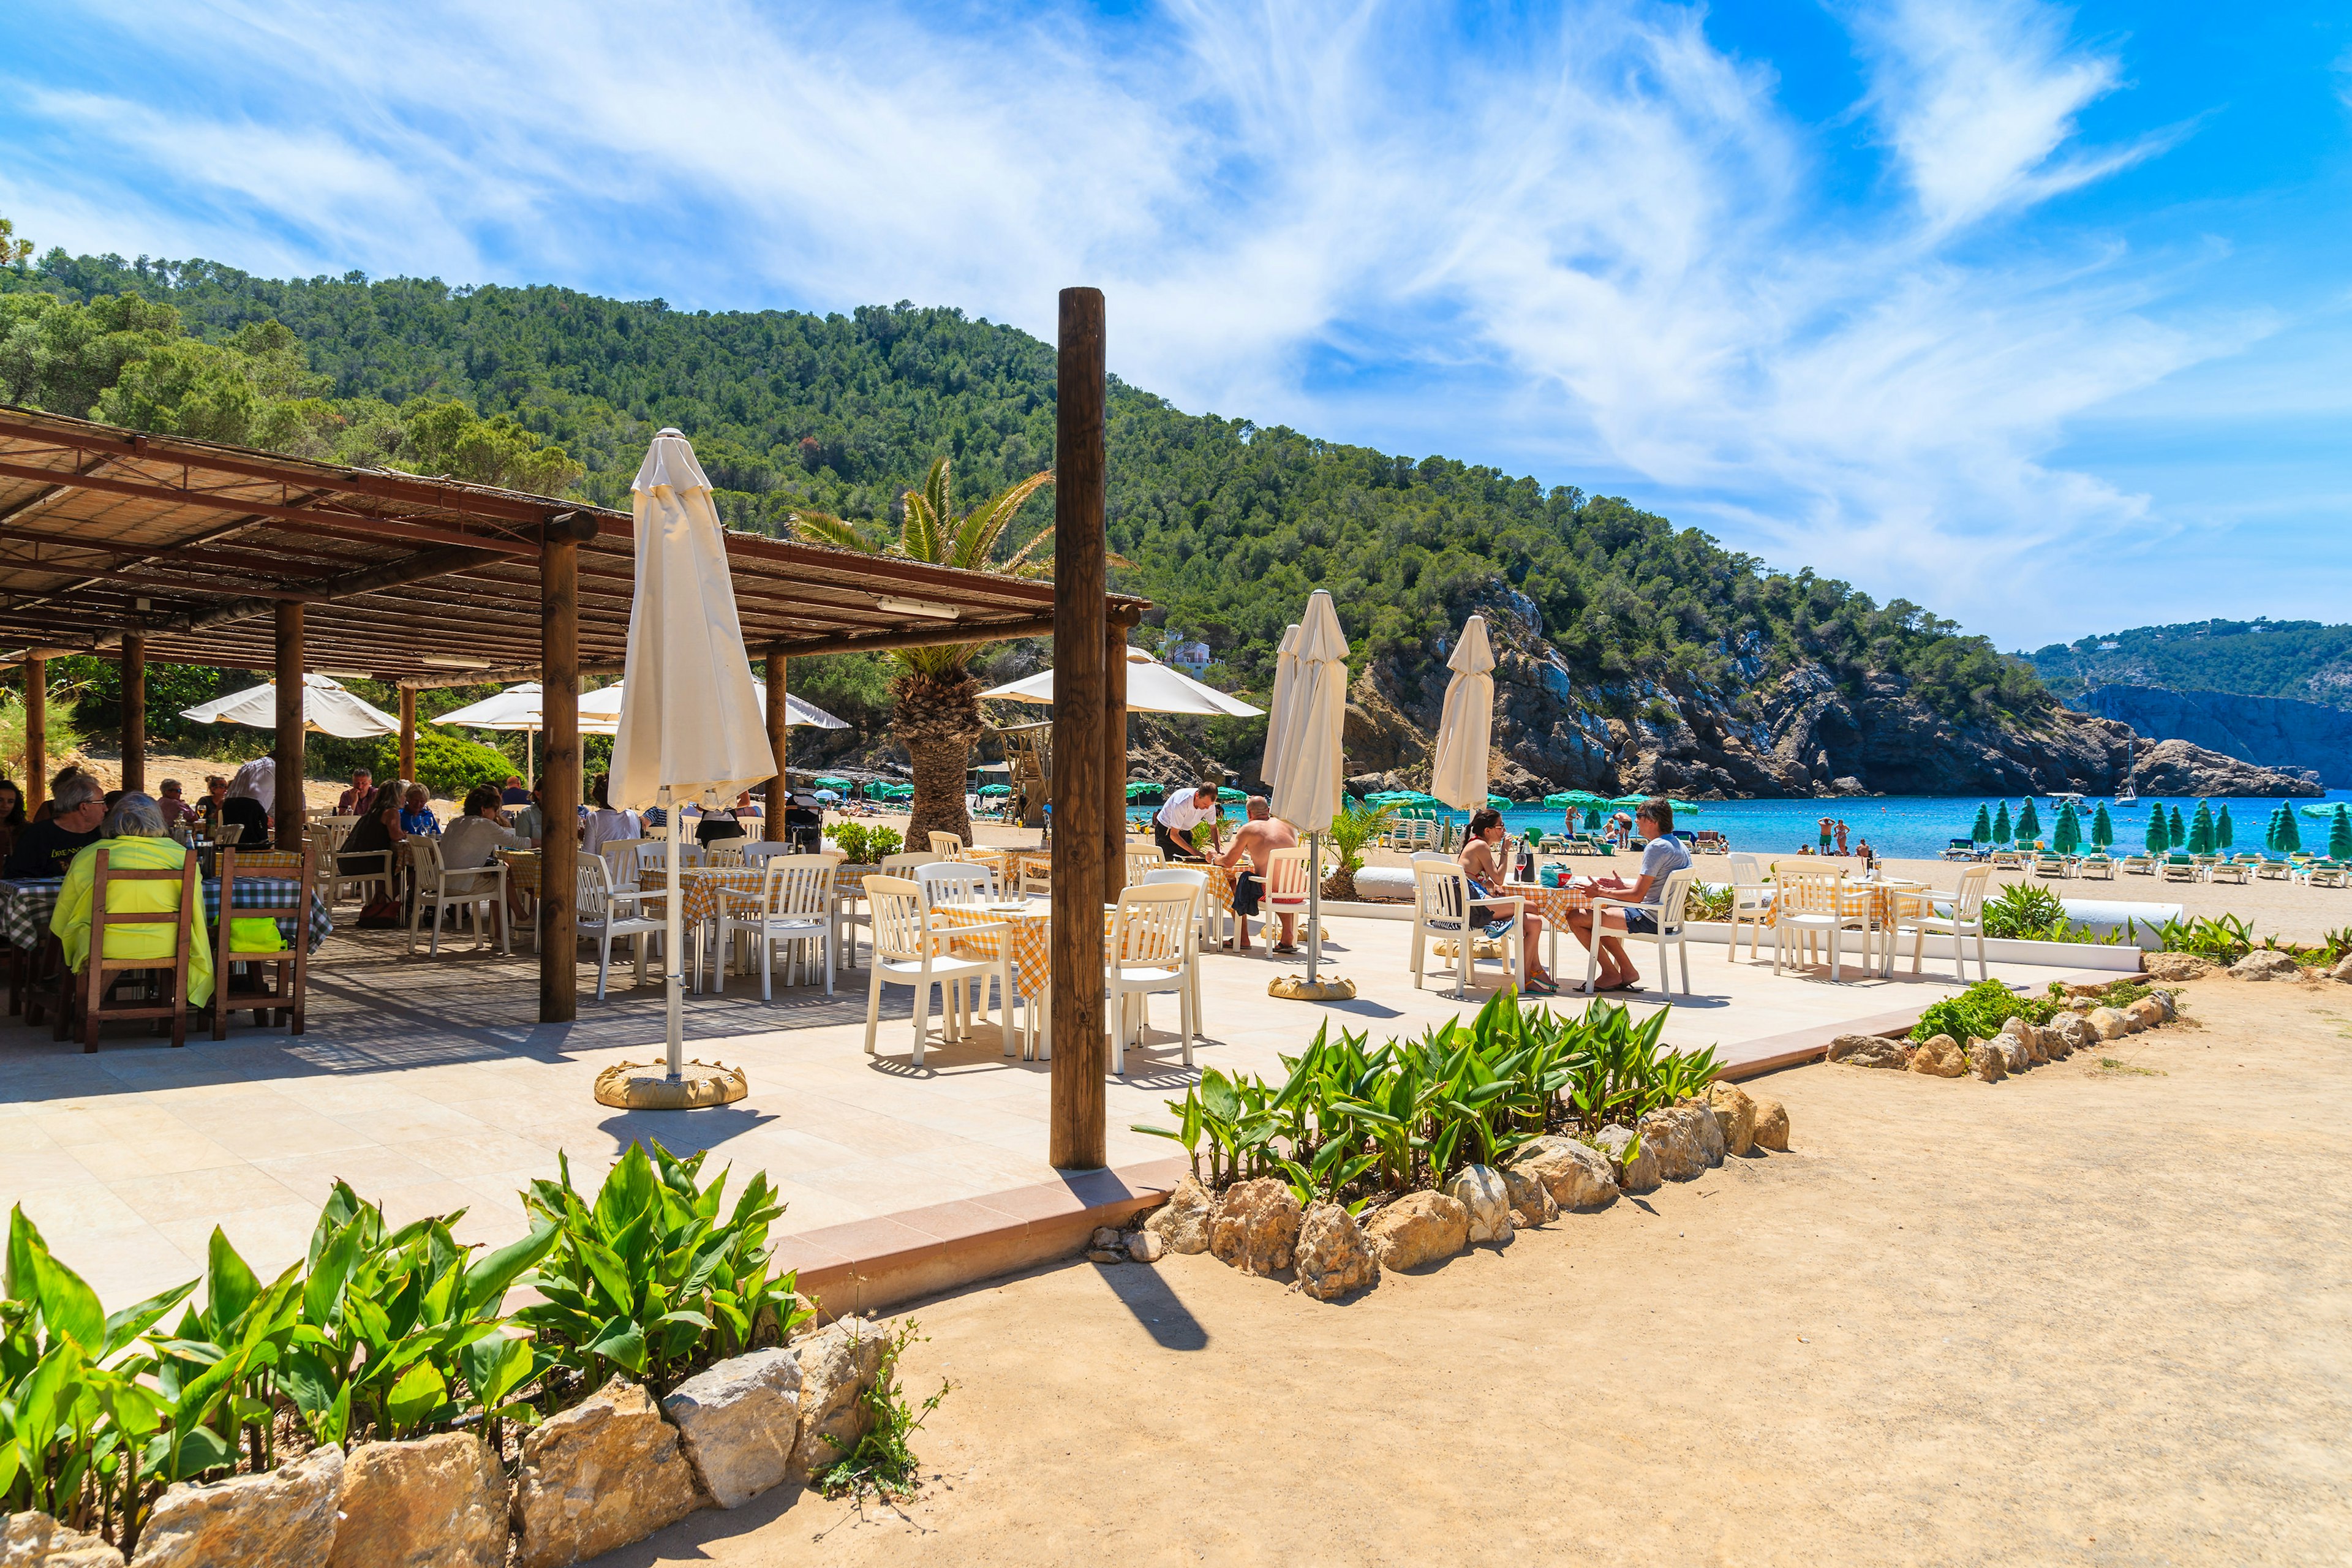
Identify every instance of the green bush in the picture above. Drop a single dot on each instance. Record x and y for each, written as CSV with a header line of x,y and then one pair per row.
x,y
1978,1013
445,765
850,838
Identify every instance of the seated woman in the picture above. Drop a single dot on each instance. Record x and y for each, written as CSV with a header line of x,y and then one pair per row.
x,y
416,813
247,801
474,838
374,840
133,839
605,823
1479,864
1622,906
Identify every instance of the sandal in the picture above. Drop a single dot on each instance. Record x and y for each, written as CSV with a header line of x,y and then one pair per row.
x,y
1543,988
1284,947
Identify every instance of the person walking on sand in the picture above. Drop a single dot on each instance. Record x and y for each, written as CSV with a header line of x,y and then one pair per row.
x,y
1841,835
1259,837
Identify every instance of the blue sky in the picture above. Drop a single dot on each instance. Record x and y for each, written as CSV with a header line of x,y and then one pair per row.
x,y
2040,317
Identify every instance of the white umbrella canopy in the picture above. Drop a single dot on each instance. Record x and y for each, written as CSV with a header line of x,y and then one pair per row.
x,y
1285,686
1458,777
326,710
1152,687
1307,767
515,708
600,711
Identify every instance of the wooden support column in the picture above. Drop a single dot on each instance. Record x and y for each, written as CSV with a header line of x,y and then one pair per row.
x,y
408,734
1081,748
36,780
134,712
559,801
289,808
1115,738
777,735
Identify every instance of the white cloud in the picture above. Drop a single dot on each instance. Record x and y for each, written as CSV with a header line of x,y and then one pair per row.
x,y
1590,237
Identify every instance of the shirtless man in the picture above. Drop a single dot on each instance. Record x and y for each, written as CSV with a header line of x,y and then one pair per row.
x,y
1259,837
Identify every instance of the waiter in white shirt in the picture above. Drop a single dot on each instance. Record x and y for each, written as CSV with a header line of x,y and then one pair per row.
x,y
1172,827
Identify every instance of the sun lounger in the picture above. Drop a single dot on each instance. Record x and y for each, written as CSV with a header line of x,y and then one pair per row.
x,y
2229,871
2049,866
2325,874
2179,869
2097,868
2138,866
2273,870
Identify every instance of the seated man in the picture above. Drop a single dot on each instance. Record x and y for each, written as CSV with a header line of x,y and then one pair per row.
x,y
355,800
175,807
513,793
1172,828
1259,837
44,848
1622,906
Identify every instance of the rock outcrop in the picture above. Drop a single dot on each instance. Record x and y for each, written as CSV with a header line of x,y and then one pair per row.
x,y
1577,1175
1686,1139
1870,1051
1419,1228
737,1423
2271,731
2265,963
285,1519
34,1540
1482,1190
604,1473
1735,1116
1183,1220
1255,1227
434,1502
838,1363
1638,1175
1939,1056
1334,1257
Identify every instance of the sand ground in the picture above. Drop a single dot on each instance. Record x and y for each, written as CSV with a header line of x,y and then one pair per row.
x,y
2100,1313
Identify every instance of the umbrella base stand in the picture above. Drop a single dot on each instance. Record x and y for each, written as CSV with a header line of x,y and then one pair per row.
x,y
629,1086
1298,988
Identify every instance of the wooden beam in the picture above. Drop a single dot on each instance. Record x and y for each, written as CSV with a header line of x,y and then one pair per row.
x,y
934,635
777,736
1076,1137
134,712
37,735
559,801
408,733
291,808
1114,758
499,674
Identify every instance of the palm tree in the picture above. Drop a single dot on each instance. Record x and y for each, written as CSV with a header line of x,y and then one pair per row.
x,y
935,701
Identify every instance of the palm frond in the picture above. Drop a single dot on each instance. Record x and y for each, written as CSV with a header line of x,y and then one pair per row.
x,y
926,513
823,528
977,536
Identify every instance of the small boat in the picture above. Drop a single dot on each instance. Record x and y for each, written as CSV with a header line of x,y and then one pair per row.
x,y
2126,796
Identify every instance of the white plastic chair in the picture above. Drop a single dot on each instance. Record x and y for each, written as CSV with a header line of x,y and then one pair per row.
x,y
1442,901
1751,905
971,885
1809,907
1141,859
1149,933
653,854
908,950
443,887
1285,893
1196,879
1671,939
793,905
606,911
947,846
1966,919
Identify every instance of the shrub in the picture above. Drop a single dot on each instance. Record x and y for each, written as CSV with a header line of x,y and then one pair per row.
x,y
881,841
445,765
1978,1013
851,839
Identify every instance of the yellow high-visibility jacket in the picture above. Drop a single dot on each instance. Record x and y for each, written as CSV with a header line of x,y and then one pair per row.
x,y
70,923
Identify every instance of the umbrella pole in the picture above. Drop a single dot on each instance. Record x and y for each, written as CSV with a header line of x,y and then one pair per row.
x,y
1313,903
675,978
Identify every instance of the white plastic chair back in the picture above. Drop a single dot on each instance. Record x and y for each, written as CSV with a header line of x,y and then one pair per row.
x,y
954,882
758,852
1140,858
1286,877
595,885
947,846
1150,930
901,927
1674,901
798,887
1970,901
1441,892
903,864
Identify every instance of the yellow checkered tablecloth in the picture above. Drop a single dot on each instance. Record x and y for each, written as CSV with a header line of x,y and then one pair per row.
x,y
522,869
699,887
1551,903
1221,879
272,860
1030,935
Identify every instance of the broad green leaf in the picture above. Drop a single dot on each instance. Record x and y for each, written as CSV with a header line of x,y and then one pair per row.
x,y
229,1286
132,1321
420,1392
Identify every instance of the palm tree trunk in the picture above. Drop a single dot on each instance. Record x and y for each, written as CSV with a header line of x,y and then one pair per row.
x,y
937,719
939,791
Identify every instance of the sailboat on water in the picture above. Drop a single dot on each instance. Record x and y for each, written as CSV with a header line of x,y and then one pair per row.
x,y
2127,796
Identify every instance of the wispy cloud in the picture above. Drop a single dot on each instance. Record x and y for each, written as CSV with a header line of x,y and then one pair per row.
x,y
1583,239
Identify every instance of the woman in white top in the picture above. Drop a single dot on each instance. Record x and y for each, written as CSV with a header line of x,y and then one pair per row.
x,y
474,838
1622,906
605,823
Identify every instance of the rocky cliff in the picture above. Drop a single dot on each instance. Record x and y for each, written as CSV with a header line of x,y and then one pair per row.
x,y
2275,732
1801,731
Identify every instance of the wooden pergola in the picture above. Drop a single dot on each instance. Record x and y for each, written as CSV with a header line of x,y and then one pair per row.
x,y
125,544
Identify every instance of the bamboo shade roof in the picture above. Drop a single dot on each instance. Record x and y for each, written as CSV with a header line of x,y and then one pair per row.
x,y
105,530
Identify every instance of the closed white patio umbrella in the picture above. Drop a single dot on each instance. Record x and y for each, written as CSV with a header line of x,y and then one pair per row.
x,y
1458,775
1152,687
1285,686
326,710
694,724
1307,767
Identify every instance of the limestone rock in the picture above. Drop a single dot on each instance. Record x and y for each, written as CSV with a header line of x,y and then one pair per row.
x,y
1640,1174
2087,987
1939,1056
1532,1201
1183,1220
1685,1138
2265,963
1869,1051
2075,1034
2081,1004
602,1474
1417,1228
1735,1116
1255,1227
1106,1255
1107,1238
1334,1257
435,1502
1986,1063
2171,1006
2343,971
283,1519
2031,1048
34,1540
1771,1124
1147,1246
737,1423
2109,1024
1481,1190
2176,967
1577,1175
2148,1013
838,1363
2014,1057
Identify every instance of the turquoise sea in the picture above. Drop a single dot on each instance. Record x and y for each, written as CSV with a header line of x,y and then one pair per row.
x,y
1918,827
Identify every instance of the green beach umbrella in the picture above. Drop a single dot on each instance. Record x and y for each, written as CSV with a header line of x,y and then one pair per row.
x,y
995,789
2224,830
829,782
2339,835
1136,789
2157,840
2067,836
2200,830
1228,795
2177,832
2271,829
2000,833
1592,816
1497,803
1982,832
2289,837
2103,827
2029,822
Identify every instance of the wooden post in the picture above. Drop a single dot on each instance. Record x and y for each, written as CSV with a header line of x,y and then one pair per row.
x,y
36,780
289,810
777,735
1114,739
408,734
1081,748
559,802
134,712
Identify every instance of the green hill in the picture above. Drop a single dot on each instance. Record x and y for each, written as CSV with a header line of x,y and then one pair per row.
x,y
2305,661
1227,525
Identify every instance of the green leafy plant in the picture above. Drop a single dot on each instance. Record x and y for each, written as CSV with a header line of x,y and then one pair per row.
x,y
446,765
1978,1013
1356,825
1708,901
882,1462
882,841
2224,939
851,839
